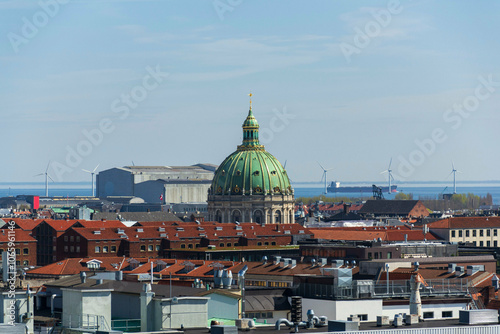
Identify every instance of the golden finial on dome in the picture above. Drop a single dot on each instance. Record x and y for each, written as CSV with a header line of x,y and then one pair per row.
x,y
250,100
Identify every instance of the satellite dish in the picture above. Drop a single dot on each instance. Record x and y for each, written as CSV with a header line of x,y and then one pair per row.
x,y
175,300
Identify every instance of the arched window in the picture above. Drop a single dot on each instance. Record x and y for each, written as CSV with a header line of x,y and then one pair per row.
x,y
258,217
236,216
277,217
218,216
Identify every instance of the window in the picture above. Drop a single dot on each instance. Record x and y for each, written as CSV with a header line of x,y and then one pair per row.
x,y
65,249
389,255
453,233
97,249
190,246
78,249
150,248
266,243
26,263
26,251
363,317
428,315
376,255
488,232
71,239
77,238
72,249
183,245
113,249
105,249
370,255
65,238
481,233
481,243
447,314
467,234
228,244
157,247
221,244
460,233
259,243
495,232
143,248
18,251
473,233
488,243
273,243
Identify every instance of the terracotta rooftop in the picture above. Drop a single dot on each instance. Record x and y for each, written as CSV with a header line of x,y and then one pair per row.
x,y
467,222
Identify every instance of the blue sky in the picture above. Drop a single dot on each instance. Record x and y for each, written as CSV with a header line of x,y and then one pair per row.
x,y
326,87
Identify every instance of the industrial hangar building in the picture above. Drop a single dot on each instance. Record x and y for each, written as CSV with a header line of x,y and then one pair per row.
x,y
157,184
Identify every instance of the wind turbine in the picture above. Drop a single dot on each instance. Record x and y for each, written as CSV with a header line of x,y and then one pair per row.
x,y
47,177
325,175
390,177
92,174
454,172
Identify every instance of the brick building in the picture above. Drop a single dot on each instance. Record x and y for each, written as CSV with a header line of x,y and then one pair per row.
x,y
394,208
24,244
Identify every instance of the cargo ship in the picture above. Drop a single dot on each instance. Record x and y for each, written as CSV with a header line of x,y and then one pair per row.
x,y
335,187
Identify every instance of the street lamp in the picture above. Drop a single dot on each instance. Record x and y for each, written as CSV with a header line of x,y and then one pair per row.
x,y
387,276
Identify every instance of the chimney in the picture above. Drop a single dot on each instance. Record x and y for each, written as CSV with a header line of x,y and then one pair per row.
x,y
119,275
147,308
451,267
459,271
494,282
83,277
415,301
347,208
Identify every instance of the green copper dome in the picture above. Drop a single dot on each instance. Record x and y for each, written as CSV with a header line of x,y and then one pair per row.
x,y
250,170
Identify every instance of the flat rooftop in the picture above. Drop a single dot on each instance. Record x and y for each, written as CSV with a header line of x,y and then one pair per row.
x,y
365,326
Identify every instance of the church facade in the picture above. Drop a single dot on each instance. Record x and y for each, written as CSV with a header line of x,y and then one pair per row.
x,y
251,185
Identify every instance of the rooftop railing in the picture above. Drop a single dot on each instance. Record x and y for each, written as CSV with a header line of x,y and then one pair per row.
x,y
396,288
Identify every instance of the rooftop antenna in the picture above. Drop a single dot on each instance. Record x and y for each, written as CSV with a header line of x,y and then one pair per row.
x,y
390,177
325,176
47,177
92,175
454,172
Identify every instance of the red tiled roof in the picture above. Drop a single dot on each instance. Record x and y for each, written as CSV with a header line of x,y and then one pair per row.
x,y
100,223
467,222
73,266
370,233
18,234
60,225
25,224
348,235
